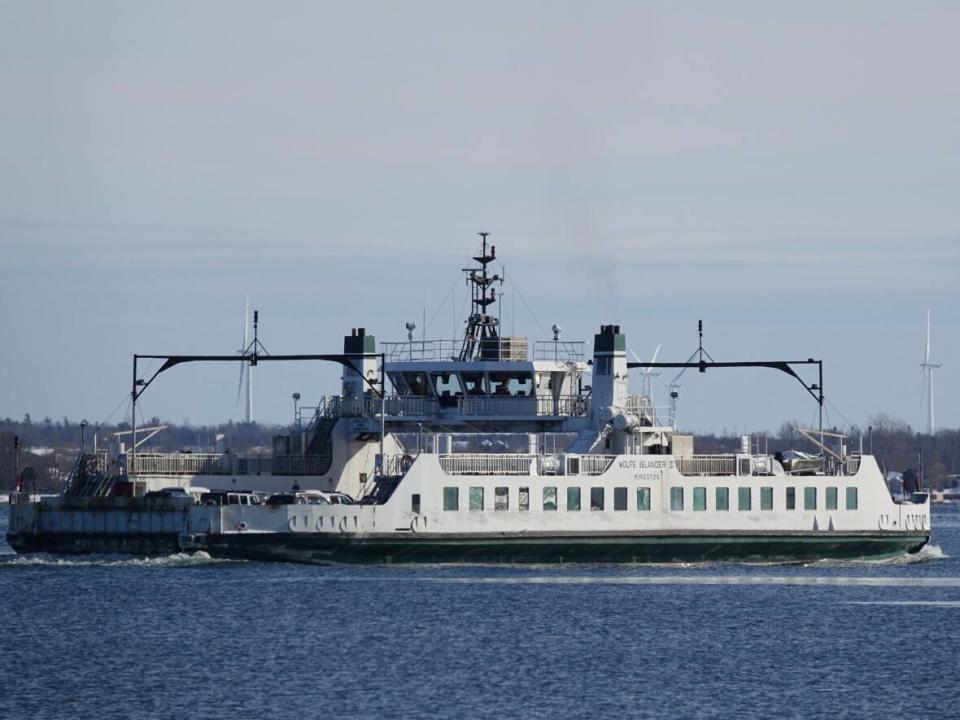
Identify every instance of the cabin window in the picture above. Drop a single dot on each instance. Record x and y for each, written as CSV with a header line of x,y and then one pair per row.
x,y
524,498
791,498
573,498
451,498
676,499
415,503
766,498
417,383
743,498
501,498
396,379
620,498
810,498
596,498
473,383
448,388
851,498
831,498
549,499
699,498
723,498
573,466
476,498
643,498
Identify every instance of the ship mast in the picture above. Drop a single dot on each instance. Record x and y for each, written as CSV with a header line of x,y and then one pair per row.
x,y
481,341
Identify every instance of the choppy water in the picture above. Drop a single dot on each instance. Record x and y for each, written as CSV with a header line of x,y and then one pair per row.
x,y
191,637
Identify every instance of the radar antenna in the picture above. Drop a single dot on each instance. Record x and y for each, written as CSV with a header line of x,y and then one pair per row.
x,y
481,340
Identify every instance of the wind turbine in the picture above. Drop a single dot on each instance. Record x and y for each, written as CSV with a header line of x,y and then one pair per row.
x,y
647,373
927,368
249,350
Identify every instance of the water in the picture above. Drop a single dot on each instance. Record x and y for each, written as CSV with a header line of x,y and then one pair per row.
x,y
192,637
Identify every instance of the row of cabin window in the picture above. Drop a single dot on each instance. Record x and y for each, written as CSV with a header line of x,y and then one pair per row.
x,y
745,498
501,498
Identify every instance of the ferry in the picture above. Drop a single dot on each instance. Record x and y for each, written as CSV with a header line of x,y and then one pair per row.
x,y
484,448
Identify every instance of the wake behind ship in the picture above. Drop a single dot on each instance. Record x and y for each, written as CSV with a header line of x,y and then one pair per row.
x,y
486,448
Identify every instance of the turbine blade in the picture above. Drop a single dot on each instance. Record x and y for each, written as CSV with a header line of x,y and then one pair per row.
x,y
655,353
240,384
246,322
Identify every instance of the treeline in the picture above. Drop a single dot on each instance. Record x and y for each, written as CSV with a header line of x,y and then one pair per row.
x,y
51,446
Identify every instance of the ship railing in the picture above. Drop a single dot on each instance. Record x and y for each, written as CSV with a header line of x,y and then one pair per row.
x,y
419,350
395,405
559,350
565,406
707,465
487,464
199,464
301,464
642,406
595,464
505,348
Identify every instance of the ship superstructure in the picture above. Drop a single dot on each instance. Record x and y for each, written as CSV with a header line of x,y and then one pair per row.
x,y
485,447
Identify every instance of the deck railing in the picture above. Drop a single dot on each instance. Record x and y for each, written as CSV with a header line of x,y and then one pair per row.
x,y
487,464
707,465
595,464
228,464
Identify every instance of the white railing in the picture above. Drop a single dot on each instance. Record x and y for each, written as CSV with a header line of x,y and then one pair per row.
x,y
707,465
595,464
487,464
641,405
507,348
180,464
558,350
422,350
199,464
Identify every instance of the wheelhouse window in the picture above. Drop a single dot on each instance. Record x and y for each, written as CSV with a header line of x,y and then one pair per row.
x,y
511,384
810,498
676,499
619,498
643,499
451,498
523,498
550,499
596,498
417,383
723,498
831,498
791,498
448,388
744,498
573,498
699,498
476,498
399,384
766,498
501,498
473,383
851,498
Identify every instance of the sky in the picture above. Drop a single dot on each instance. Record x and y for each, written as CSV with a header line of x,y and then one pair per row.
x,y
787,172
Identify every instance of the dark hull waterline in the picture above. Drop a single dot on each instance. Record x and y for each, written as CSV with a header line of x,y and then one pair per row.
x,y
638,548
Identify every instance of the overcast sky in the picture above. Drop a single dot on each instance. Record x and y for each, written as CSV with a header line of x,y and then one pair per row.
x,y
788,172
